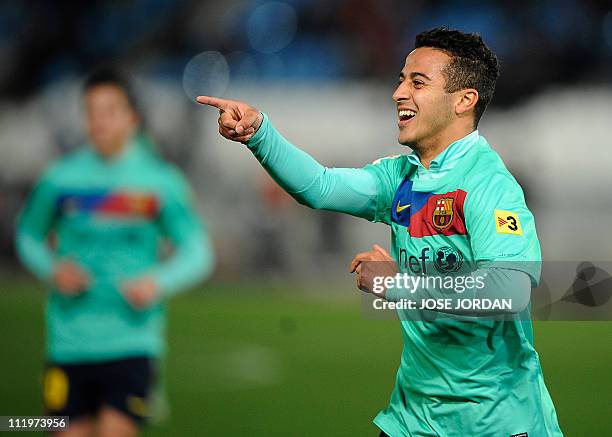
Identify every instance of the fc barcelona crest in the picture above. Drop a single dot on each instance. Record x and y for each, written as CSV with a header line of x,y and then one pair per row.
x,y
443,213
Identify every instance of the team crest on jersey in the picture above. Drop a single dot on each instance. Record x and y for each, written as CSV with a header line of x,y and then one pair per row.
x,y
425,214
443,213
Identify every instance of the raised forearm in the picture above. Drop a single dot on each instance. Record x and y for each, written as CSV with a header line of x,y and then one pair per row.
x,y
348,190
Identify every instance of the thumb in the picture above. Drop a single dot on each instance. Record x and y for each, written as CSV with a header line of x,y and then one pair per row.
x,y
248,120
379,249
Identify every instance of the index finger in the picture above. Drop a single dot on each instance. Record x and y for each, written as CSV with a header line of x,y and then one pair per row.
x,y
213,101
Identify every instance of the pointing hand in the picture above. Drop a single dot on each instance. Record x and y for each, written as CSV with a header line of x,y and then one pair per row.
x,y
237,120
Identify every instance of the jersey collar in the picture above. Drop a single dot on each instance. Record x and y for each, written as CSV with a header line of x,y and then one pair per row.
x,y
449,157
130,151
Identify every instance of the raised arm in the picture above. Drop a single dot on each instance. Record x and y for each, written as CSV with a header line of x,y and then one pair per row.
x,y
348,190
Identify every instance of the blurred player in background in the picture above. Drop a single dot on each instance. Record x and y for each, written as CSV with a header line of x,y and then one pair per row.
x,y
451,199
92,229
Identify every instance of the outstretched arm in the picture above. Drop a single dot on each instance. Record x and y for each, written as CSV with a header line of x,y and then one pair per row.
x,y
349,190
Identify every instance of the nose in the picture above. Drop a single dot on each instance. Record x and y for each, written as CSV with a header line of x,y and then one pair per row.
x,y
401,93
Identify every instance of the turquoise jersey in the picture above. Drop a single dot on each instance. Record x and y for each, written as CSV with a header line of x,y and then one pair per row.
x,y
457,377
111,217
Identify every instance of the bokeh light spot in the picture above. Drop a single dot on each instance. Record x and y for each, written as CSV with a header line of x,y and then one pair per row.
x,y
206,74
607,29
271,27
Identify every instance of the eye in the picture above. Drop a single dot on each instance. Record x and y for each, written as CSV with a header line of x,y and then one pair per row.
x,y
417,83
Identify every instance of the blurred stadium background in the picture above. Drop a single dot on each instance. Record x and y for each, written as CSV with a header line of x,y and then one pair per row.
x,y
276,341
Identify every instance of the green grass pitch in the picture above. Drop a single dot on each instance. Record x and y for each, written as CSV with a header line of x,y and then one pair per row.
x,y
276,361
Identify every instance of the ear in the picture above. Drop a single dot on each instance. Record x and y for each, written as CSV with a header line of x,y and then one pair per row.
x,y
466,101
135,118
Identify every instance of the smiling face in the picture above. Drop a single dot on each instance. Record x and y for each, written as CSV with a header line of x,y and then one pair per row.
x,y
425,109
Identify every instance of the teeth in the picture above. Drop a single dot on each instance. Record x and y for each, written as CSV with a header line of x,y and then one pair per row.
x,y
406,113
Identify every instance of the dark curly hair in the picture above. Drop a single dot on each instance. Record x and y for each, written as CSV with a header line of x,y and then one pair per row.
x,y
472,65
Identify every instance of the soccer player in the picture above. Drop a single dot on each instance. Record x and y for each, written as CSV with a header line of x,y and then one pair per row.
x,y
92,229
451,199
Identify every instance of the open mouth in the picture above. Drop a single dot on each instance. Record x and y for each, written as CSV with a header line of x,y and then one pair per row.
x,y
406,115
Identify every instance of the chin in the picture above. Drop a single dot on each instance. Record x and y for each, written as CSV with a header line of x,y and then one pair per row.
x,y
406,141
104,148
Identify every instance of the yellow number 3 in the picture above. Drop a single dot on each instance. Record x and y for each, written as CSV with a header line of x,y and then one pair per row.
x,y
507,222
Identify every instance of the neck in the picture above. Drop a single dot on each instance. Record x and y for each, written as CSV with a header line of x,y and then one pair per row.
x,y
111,155
431,147
112,151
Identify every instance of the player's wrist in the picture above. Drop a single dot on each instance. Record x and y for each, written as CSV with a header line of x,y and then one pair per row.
x,y
258,122
259,133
